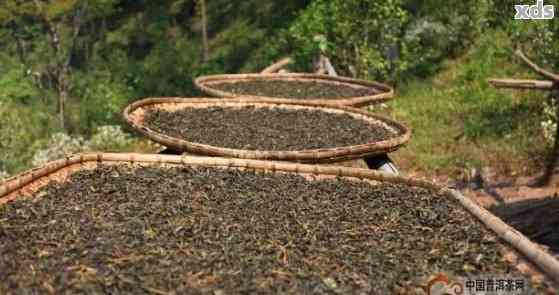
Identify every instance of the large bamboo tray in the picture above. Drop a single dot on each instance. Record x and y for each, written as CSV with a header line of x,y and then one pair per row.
x,y
134,116
383,92
31,181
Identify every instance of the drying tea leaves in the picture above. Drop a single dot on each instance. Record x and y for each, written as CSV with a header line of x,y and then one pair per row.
x,y
176,230
266,128
294,89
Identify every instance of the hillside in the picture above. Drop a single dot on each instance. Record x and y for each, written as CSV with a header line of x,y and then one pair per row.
x,y
461,123
63,97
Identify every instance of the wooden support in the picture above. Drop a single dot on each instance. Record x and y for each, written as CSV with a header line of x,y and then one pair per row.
x,y
379,162
551,85
321,70
521,84
277,66
328,66
324,66
536,68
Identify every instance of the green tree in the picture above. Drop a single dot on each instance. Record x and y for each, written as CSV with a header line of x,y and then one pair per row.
x,y
58,25
19,131
356,35
385,39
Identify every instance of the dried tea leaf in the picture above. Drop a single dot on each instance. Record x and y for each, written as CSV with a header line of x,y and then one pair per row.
x,y
177,230
294,89
276,128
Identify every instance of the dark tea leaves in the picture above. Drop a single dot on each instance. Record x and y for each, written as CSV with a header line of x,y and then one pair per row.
x,y
265,128
294,89
155,230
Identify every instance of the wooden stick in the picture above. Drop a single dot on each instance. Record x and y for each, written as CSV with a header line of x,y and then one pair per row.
x,y
319,66
277,66
321,71
521,84
328,66
536,68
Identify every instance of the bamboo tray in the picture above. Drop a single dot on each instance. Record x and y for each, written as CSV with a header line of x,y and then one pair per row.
x,y
134,115
31,181
382,92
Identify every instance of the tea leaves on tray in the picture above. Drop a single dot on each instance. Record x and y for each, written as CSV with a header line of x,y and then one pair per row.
x,y
265,128
294,89
154,230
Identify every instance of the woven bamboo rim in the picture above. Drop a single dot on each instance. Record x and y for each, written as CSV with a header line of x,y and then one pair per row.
x,y
383,92
29,182
133,115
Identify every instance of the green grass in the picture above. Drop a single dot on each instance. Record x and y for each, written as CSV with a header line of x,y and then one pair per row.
x,y
460,122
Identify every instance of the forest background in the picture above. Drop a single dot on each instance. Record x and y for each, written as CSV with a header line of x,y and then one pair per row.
x,y
68,67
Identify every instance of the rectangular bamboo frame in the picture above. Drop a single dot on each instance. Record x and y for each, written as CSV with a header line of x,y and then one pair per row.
x,y
30,181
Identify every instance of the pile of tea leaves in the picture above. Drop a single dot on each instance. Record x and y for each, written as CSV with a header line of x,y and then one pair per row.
x,y
176,230
265,128
294,89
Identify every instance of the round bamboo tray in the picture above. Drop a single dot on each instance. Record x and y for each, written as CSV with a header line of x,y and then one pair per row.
x,y
540,263
382,92
134,115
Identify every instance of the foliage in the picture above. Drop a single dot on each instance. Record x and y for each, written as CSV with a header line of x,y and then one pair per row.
x,y
104,139
354,34
539,38
439,30
109,139
385,39
540,41
101,100
460,122
16,82
127,50
549,123
59,146
116,51
20,128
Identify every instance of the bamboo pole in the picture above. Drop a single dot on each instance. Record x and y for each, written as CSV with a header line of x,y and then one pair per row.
x,y
277,66
521,84
537,68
